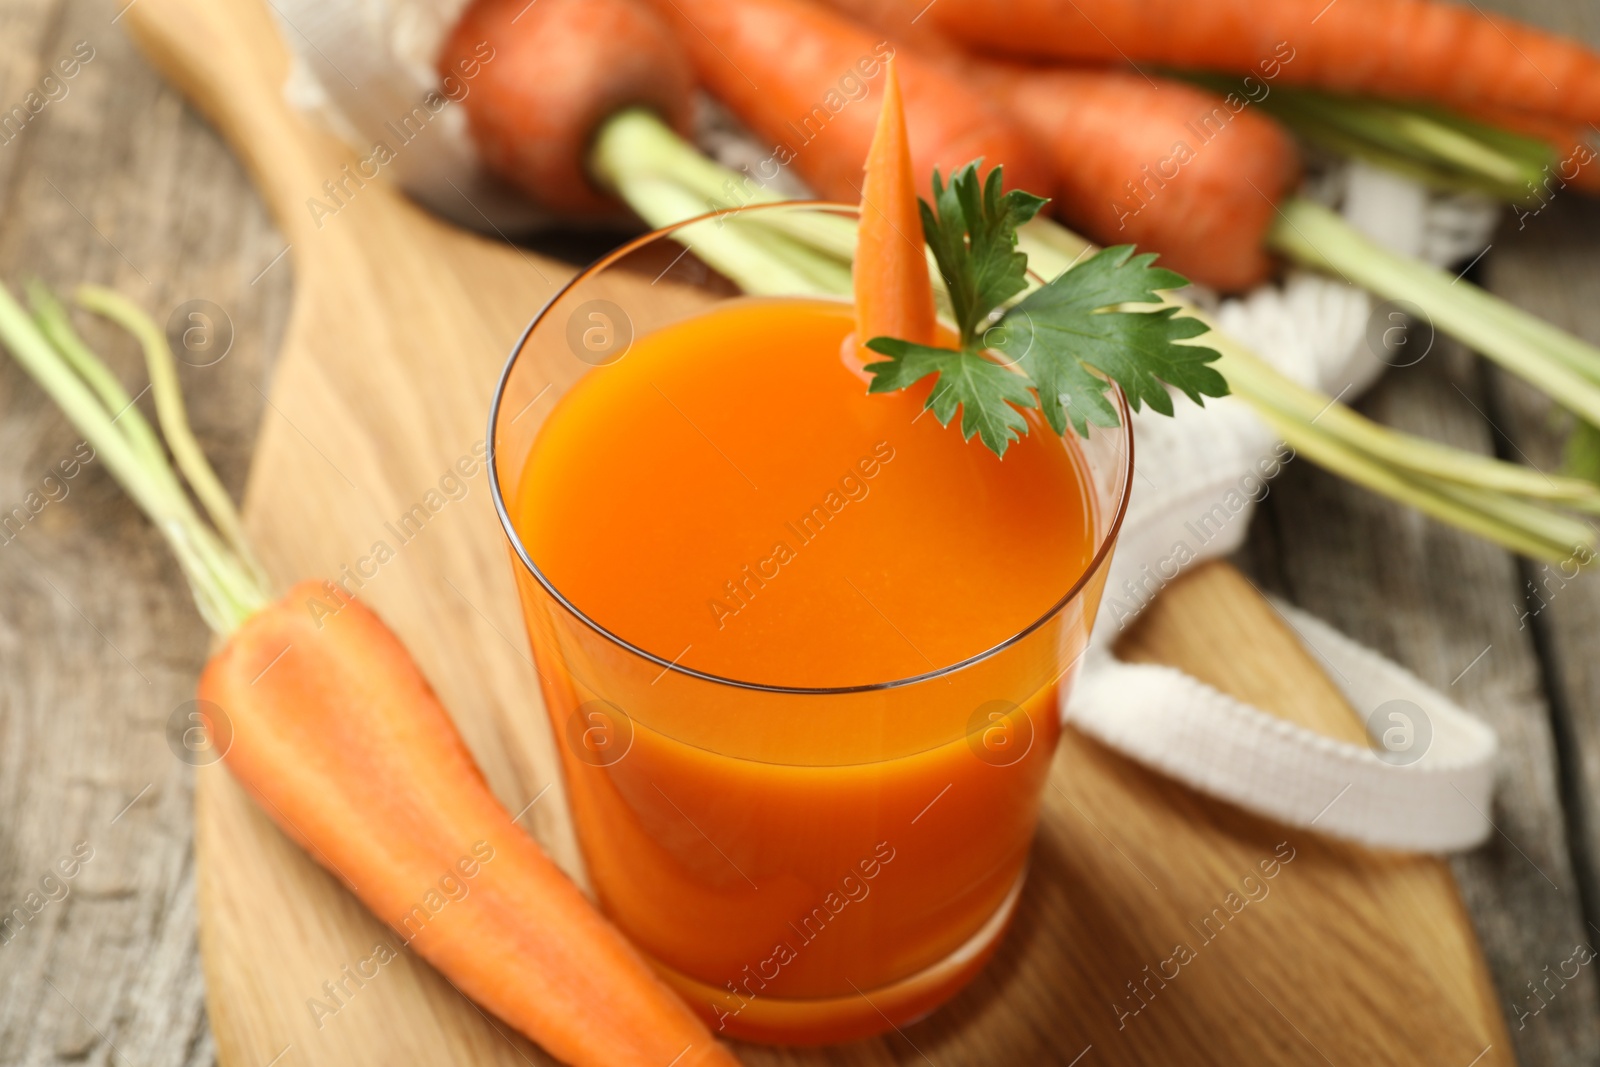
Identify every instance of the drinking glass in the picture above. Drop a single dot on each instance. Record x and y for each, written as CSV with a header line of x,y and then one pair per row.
x,y
803,865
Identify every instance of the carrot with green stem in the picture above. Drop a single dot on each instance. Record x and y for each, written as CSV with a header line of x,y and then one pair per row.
x,y
559,75
1231,191
340,738
1305,232
1055,344
555,72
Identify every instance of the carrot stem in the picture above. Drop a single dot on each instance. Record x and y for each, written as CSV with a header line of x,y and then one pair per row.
x,y
1509,531
51,316
1558,363
1052,249
1406,130
173,416
1253,378
1427,173
640,158
226,589
1429,144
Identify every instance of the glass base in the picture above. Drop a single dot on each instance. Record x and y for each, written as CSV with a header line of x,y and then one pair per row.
x,y
826,1021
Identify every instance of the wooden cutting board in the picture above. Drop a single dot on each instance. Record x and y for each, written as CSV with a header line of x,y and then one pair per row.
x,y
398,331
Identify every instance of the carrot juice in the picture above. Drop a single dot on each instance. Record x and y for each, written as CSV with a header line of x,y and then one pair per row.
x,y
803,648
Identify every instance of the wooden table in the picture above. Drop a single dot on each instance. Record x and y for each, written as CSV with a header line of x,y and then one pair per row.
x,y
118,182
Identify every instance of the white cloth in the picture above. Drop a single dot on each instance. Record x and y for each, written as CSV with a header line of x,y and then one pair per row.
x,y
359,66
359,63
1190,731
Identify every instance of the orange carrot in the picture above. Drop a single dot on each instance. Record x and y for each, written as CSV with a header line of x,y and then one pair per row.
x,y
548,74
894,297
1160,164
339,737
798,76
1451,54
1163,165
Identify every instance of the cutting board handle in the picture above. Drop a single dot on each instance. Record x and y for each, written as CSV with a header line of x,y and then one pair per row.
x,y
229,59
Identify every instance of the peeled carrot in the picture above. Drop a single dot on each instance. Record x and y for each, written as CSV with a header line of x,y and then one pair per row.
x,y
894,297
558,70
799,75
338,736
1451,54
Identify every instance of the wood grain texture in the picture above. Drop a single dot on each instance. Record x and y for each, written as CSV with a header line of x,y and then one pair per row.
x,y
117,182
80,734
1545,262
1557,614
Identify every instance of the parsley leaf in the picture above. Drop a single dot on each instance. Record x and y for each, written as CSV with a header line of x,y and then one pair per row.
x,y
1066,342
984,390
1058,332
973,233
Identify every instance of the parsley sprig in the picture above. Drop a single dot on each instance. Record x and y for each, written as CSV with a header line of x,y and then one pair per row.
x,y
1060,347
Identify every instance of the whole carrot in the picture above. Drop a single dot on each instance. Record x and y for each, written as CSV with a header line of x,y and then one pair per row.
x,y
340,738
1169,167
798,76
560,68
1451,54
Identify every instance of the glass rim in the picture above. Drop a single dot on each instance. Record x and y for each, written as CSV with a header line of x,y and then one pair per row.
x,y
1101,555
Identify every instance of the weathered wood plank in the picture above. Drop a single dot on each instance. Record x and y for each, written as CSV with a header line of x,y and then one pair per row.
x,y
116,182
1545,262
1549,267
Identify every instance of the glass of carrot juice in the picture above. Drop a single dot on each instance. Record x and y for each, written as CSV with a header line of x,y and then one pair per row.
x,y
802,648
